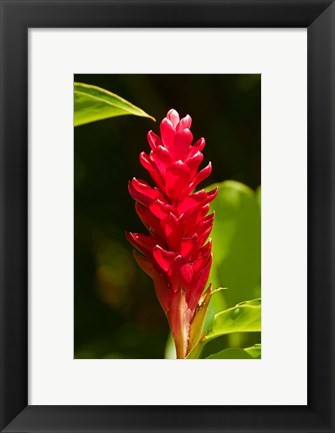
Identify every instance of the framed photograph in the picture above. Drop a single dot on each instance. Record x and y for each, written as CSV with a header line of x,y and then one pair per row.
x,y
179,212
167,216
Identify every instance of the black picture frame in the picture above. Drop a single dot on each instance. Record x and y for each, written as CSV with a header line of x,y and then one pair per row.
x,y
17,16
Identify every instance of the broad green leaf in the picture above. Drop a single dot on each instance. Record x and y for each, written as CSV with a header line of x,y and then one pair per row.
x,y
244,317
91,103
253,352
236,249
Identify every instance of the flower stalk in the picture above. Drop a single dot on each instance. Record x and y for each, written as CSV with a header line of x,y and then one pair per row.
x,y
176,252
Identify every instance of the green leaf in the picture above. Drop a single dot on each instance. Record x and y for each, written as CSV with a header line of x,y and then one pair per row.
x,y
91,103
244,317
253,352
236,248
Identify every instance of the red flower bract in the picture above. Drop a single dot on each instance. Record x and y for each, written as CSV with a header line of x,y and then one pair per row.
x,y
175,253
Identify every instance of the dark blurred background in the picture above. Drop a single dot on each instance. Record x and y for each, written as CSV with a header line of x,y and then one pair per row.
x,y
116,313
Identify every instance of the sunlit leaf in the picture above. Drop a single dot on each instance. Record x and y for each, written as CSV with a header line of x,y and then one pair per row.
x,y
91,103
244,317
253,352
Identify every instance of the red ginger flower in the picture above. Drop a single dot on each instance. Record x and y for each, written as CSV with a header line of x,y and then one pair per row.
x,y
175,253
